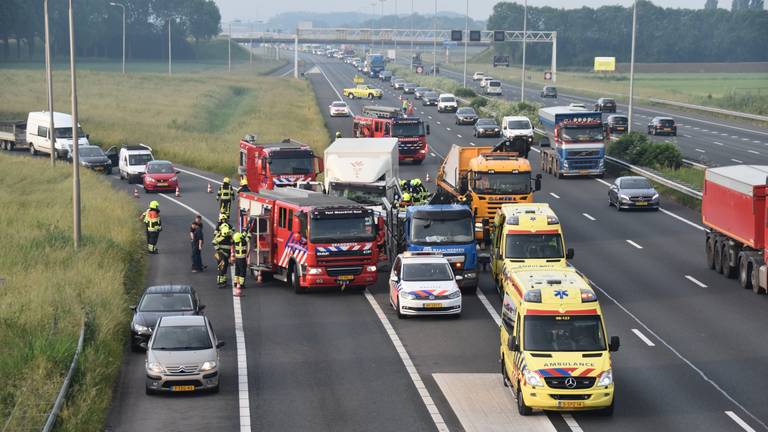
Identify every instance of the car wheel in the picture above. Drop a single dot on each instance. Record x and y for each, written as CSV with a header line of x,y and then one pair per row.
x,y
32,150
610,202
370,96
618,205
214,390
109,171
149,391
400,315
522,408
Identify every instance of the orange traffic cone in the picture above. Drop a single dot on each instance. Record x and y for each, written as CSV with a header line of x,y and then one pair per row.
x,y
259,278
178,191
135,192
426,179
238,291
210,189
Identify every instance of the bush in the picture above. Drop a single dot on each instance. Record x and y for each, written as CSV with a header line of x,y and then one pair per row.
x,y
637,149
464,92
478,102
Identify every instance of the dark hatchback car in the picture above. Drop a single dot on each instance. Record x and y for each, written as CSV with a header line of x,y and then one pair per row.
x,y
616,124
487,127
94,158
430,98
159,301
605,105
662,126
410,88
549,92
633,192
419,92
466,116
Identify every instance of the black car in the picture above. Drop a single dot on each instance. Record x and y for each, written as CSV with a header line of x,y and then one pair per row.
x,y
93,157
605,105
159,301
662,126
549,92
487,127
616,124
419,92
466,116
633,192
410,88
430,98
385,75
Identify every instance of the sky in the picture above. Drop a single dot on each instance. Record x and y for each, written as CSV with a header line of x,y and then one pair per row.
x,y
479,9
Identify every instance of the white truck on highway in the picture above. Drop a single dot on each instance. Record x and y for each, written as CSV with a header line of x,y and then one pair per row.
x,y
364,170
35,134
514,126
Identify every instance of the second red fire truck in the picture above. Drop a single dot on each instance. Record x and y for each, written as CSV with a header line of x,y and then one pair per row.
x,y
385,122
277,164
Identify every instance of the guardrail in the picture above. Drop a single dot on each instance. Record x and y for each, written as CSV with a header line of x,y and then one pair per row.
x,y
59,402
710,109
657,178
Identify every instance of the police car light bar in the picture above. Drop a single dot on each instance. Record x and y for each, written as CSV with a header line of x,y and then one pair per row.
x,y
422,254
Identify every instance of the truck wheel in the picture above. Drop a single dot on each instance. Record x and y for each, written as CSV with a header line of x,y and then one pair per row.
x,y
504,379
728,270
710,252
745,276
718,257
754,279
295,280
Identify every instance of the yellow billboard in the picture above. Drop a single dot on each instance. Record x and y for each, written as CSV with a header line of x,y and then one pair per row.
x,y
605,64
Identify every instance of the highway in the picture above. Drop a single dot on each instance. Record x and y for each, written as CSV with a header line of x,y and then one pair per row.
x,y
702,137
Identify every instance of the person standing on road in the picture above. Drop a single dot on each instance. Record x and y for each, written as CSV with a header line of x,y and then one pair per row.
x,y
338,134
405,105
223,244
240,254
223,220
196,238
224,196
151,219
244,184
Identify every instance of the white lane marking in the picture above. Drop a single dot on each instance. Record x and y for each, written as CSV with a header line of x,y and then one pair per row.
x,y
197,175
532,148
700,150
555,195
723,134
458,135
244,403
471,143
437,419
681,357
634,244
737,161
682,219
718,143
745,139
332,86
287,72
705,130
484,300
429,116
433,155
753,152
447,128
756,141
603,182
438,122
422,112
571,422
694,280
739,421
586,215
643,337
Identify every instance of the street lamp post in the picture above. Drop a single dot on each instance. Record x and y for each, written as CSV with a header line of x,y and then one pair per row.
x,y
525,38
382,23
412,35
75,133
49,79
229,49
170,68
373,26
466,43
632,67
434,46
122,6
250,46
397,26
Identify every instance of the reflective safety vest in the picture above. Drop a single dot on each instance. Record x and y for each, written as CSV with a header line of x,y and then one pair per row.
x,y
152,220
241,248
225,192
223,242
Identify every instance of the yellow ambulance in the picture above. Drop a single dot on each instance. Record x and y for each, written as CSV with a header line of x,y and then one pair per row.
x,y
554,350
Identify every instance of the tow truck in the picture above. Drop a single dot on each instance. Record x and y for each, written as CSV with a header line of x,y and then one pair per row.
x,y
277,164
361,90
384,122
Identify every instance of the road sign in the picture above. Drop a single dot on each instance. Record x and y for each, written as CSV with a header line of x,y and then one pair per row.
x,y
419,69
547,76
605,64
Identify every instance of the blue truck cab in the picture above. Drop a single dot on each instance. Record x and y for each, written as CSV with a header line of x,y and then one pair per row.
x,y
375,64
577,141
448,229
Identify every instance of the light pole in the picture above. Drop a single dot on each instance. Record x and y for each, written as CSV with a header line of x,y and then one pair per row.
x,y
49,79
382,23
229,49
632,67
525,37
122,6
75,134
373,26
170,68
250,45
466,43
434,46
397,25
412,35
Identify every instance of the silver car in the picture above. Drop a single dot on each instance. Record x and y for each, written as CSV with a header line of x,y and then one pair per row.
x,y
182,356
633,192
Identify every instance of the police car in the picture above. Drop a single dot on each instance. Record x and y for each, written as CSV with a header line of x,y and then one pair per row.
x,y
422,283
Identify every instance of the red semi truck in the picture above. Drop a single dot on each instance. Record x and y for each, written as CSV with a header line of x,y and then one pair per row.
x,y
734,209
310,239
278,164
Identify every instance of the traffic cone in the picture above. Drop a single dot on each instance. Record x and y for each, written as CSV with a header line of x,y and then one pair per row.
x,y
210,189
238,292
135,192
178,192
259,278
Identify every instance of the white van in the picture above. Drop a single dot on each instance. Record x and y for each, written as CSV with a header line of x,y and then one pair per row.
x,y
493,87
132,161
39,137
512,126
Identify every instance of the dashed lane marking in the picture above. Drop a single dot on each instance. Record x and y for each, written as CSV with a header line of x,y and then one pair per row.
x,y
634,244
736,160
586,215
438,122
753,152
433,155
643,337
682,219
700,150
696,281
555,195
571,422
718,143
458,135
471,143
447,128
739,421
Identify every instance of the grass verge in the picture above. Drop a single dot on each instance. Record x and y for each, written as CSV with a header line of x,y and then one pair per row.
x,y
48,289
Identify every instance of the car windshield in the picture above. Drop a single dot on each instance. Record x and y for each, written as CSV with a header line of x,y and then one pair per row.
x,y
90,152
409,129
411,85
166,302
618,120
636,183
422,89
294,165
486,122
426,272
339,105
160,168
67,133
442,231
666,122
607,101
529,246
466,111
359,193
563,333
447,99
519,124
502,183
550,89
579,134
182,338
430,95
339,230
494,84
139,159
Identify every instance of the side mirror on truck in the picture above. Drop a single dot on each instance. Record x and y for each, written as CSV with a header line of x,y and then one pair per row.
x,y
537,183
569,253
614,345
427,129
319,165
512,344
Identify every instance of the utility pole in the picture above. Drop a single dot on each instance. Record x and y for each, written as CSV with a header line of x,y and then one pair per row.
x,y
466,43
434,47
75,133
122,6
170,69
632,67
250,45
382,23
412,36
525,38
229,49
49,80
397,26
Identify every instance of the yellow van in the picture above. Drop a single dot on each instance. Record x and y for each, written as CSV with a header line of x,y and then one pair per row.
x,y
554,349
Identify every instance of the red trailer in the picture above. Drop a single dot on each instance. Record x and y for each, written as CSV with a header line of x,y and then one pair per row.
x,y
734,210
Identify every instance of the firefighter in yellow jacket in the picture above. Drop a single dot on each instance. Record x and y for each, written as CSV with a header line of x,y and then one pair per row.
x,y
151,219
222,243
240,255
224,196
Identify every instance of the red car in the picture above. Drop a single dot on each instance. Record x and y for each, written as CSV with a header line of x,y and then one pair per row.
x,y
160,176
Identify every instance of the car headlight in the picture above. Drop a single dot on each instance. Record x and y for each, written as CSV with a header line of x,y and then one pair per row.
x,y
408,296
314,270
455,294
150,179
655,196
155,367
470,275
624,197
141,329
209,365
173,179
533,378
371,268
565,164
605,379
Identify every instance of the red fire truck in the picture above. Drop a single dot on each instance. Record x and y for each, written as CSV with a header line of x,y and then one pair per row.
x,y
385,122
277,165
309,239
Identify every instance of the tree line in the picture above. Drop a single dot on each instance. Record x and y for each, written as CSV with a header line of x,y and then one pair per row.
x,y
663,34
99,27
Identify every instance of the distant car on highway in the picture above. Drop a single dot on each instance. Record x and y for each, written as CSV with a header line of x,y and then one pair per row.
x,y
605,105
549,92
410,88
633,192
616,124
362,91
485,80
477,76
423,284
132,161
160,176
577,106
182,356
430,98
447,103
398,83
492,88
419,92
385,75
466,116
339,109
662,126
487,127
93,158
159,301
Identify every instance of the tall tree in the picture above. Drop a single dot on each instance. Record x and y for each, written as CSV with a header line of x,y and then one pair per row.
x,y
757,5
710,4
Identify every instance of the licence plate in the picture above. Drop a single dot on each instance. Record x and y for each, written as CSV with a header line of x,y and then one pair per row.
x,y
346,278
183,388
162,184
99,169
583,171
570,404
641,203
433,305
